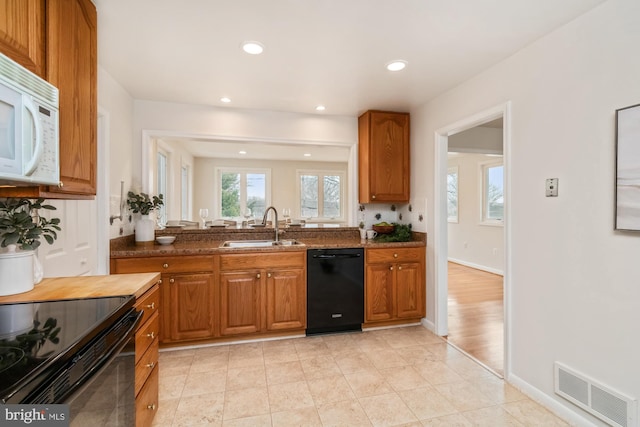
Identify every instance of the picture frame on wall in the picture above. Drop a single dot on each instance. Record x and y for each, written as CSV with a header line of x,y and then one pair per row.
x,y
628,168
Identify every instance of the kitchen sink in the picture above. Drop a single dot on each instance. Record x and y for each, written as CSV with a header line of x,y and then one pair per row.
x,y
259,243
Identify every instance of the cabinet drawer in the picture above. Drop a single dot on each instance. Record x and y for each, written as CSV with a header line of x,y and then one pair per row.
x,y
145,335
145,366
262,260
148,303
147,400
395,255
179,264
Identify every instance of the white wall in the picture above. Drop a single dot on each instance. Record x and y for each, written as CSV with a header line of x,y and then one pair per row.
x,y
283,180
471,242
118,106
477,140
574,292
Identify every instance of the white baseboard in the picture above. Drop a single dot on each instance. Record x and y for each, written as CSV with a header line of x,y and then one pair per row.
x,y
429,325
571,417
477,266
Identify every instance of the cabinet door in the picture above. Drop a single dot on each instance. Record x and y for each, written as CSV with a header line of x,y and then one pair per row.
x,y
240,302
389,157
191,306
72,66
409,286
378,292
22,33
383,155
286,299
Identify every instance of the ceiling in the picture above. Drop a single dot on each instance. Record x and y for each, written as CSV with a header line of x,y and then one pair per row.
x,y
317,52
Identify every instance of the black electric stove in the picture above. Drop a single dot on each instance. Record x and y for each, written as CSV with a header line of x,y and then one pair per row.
x,y
49,348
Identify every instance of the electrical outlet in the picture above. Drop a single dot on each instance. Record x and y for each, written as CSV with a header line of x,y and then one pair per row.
x,y
551,187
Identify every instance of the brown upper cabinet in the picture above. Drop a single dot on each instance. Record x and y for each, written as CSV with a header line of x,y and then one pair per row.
x,y
383,157
22,33
64,32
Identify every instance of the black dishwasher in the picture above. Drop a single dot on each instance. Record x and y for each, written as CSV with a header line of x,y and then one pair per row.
x,y
335,290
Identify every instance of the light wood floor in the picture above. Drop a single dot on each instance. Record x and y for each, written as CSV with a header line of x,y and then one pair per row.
x,y
476,314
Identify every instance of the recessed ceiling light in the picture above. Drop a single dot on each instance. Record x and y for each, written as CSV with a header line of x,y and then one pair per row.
x,y
242,152
396,65
253,48
307,154
320,108
225,100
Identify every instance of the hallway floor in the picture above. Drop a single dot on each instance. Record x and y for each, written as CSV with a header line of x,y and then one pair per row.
x,y
391,377
476,314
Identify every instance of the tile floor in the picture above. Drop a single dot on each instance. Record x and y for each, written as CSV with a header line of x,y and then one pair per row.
x,y
391,377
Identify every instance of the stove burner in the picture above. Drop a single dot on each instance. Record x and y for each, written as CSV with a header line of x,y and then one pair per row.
x,y
9,357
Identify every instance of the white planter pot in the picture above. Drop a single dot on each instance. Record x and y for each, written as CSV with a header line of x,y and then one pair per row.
x,y
16,319
145,230
17,272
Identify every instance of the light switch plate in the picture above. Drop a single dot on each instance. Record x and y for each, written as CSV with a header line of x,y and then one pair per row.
x,y
551,187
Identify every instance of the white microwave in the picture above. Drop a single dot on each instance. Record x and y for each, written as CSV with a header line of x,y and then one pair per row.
x,y
28,127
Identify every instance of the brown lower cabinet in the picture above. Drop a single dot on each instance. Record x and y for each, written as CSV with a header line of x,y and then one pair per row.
x,y
262,294
187,293
190,304
394,284
146,357
210,296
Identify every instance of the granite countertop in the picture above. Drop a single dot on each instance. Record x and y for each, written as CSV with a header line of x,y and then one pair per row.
x,y
207,242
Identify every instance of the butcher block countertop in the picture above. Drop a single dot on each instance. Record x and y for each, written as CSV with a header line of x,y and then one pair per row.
x,y
87,287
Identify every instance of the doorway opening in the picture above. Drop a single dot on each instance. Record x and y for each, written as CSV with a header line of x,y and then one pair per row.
x,y
472,238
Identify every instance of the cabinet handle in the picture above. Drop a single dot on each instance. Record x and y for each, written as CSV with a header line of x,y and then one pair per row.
x,y
258,276
172,280
399,267
151,306
160,282
395,255
373,196
391,268
268,274
60,184
152,335
152,406
151,365
165,265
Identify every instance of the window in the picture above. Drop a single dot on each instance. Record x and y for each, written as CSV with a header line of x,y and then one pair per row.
x,y
321,194
185,206
452,194
243,190
162,174
492,193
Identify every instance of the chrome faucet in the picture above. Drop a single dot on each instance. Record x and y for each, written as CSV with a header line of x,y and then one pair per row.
x,y
264,219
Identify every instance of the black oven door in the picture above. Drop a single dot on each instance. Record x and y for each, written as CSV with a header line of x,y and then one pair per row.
x,y
108,399
107,396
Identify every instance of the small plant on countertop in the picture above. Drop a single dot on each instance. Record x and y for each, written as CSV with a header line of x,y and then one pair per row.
x,y
401,233
142,203
361,225
21,225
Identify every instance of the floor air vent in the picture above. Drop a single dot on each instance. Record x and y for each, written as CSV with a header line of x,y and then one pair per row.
x,y
610,406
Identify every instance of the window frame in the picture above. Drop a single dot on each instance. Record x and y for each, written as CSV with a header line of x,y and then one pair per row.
x,y
162,213
186,207
321,174
454,170
484,202
243,171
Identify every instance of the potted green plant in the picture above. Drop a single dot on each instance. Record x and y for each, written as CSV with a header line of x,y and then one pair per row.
x,y
144,204
21,229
